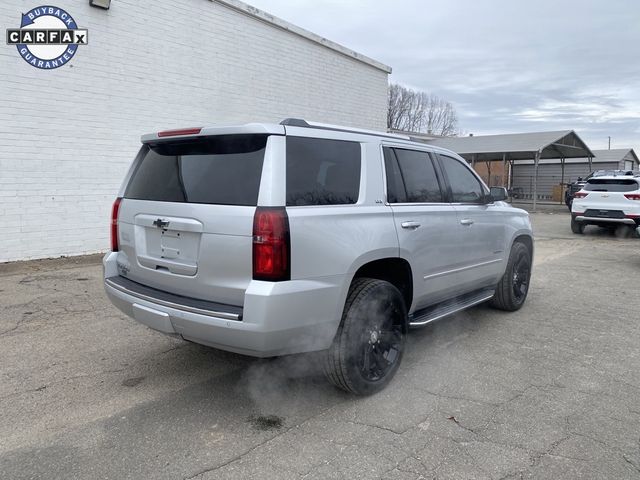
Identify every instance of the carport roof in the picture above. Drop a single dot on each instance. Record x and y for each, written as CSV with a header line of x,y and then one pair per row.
x,y
517,146
615,155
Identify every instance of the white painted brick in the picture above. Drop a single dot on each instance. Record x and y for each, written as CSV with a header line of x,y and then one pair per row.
x,y
67,136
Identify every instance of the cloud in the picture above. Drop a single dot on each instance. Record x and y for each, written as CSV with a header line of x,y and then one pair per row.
x,y
507,66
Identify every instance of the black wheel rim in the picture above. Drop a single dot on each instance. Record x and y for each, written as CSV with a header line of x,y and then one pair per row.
x,y
521,274
382,344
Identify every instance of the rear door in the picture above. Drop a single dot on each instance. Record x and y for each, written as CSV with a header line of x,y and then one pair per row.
x,y
186,219
426,224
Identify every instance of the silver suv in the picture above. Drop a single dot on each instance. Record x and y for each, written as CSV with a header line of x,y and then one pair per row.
x,y
269,240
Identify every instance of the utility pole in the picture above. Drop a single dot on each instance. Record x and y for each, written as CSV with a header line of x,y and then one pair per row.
x,y
609,142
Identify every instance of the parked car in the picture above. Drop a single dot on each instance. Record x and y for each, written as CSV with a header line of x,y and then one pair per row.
x,y
607,201
576,186
269,240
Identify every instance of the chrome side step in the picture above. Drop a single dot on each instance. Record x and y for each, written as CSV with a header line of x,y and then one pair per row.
x,y
444,309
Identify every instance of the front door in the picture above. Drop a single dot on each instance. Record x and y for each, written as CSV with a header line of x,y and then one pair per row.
x,y
426,224
482,230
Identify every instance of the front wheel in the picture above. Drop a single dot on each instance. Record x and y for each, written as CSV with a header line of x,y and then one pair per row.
x,y
514,286
371,339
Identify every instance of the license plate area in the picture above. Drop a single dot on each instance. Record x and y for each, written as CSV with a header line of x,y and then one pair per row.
x,y
170,244
173,247
604,213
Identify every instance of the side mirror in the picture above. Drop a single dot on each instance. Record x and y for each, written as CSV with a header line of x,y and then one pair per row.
x,y
498,194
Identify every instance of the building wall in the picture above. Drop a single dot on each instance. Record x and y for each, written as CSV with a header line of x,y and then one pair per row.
x,y
550,175
498,177
628,162
68,135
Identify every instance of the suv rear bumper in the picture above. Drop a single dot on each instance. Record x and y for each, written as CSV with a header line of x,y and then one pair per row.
x,y
626,221
277,318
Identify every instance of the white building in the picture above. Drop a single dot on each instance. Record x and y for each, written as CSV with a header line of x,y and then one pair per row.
x,y
68,135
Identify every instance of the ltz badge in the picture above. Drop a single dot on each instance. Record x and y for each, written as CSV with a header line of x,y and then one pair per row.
x,y
48,37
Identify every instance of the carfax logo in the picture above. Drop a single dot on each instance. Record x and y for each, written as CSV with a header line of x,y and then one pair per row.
x,y
48,37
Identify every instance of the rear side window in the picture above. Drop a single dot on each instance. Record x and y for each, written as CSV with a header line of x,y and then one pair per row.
x,y
224,170
411,177
611,185
396,192
322,172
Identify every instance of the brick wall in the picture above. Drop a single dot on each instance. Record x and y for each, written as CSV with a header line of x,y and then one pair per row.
x,y
68,135
498,174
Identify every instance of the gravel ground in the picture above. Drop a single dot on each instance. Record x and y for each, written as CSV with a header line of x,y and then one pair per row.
x,y
551,391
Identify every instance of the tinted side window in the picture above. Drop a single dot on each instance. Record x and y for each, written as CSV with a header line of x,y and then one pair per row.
x,y
419,176
465,187
223,170
395,185
322,172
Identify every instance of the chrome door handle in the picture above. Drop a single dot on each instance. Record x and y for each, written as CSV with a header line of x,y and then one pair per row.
x,y
410,225
466,221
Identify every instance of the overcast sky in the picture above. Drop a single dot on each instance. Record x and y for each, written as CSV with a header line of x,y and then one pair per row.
x,y
506,65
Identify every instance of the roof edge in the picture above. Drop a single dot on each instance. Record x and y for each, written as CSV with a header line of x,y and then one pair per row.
x,y
265,17
569,132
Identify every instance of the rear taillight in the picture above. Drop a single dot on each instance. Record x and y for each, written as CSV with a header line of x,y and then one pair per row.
x,y
632,196
580,194
114,224
271,244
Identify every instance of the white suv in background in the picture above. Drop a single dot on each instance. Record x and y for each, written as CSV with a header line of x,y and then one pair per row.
x,y
609,201
268,240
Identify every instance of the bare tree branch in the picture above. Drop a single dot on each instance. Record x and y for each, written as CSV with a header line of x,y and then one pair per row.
x,y
415,111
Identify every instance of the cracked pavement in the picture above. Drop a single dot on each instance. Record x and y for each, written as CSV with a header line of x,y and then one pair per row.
x,y
551,391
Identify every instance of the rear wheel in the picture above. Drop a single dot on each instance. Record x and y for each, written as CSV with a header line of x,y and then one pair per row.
x,y
514,286
370,342
577,227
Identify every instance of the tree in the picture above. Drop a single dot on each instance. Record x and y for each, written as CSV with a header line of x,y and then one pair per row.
x,y
416,111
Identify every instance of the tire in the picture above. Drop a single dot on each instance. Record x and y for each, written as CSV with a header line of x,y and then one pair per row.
x,y
371,339
577,227
513,288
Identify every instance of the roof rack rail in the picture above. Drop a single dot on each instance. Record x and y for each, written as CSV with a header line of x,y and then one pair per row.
x,y
299,122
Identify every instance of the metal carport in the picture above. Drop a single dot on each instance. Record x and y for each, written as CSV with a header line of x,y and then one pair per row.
x,y
512,147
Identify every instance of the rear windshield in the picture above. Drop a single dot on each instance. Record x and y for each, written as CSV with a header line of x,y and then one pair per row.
x,y
222,170
611,185
322,172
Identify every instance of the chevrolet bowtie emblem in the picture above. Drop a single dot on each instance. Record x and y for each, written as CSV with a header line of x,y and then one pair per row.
x,y
160,223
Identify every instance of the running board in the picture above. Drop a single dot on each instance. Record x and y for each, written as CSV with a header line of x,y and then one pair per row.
x,y
441,310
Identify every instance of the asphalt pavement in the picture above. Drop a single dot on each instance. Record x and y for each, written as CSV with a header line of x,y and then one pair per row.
x,y
551,391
